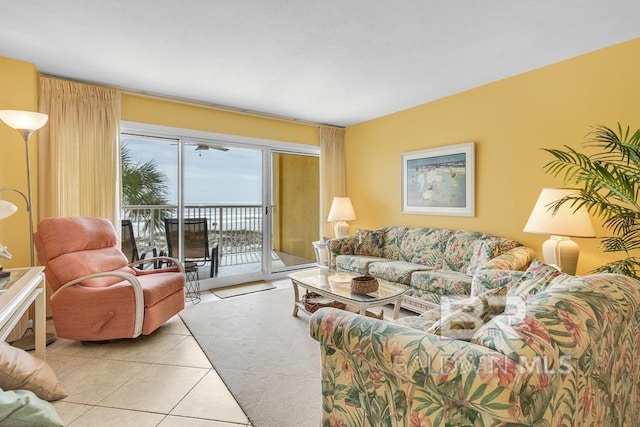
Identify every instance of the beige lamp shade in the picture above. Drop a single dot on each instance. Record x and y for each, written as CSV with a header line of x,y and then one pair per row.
x,y
566,221
7,209
559,250
340,212
25,120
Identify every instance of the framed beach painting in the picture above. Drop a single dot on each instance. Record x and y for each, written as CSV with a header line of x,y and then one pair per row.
x,y
439,181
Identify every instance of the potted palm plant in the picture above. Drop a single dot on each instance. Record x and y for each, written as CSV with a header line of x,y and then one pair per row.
x,y
608,180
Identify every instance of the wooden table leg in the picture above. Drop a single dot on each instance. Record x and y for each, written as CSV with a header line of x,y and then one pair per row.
x,y
296,297
396,309
39,321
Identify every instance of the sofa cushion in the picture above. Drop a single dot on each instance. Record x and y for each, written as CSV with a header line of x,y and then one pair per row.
x,y
460,324
356,263
370,242
156,287
424,246
392,241
442,282
395,271
460,317
482,252
459,250
422,322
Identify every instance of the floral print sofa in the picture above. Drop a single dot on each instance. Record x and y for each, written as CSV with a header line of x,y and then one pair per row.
x,y
432,262
567,357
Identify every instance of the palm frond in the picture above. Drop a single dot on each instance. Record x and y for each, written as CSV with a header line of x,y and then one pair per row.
x,y
608,179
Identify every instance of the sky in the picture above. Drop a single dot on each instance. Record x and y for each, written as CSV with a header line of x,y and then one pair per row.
x,y
211,176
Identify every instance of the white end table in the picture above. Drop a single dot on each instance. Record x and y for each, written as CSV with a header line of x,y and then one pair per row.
x,y
17,292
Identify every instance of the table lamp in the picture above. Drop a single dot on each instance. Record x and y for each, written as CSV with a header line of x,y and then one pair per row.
x,y
340,212
567,222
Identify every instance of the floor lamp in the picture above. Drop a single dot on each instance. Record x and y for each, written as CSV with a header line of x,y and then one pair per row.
x,y
26,122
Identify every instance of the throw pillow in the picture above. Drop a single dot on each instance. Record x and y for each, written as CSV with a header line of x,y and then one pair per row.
x,y
20,370
24,408
370,242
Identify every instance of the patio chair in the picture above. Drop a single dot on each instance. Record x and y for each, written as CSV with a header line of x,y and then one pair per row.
x,y
130,247
196,242
97,294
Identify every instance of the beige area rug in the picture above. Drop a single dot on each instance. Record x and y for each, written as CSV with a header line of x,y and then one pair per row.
x,y
246,288
264,355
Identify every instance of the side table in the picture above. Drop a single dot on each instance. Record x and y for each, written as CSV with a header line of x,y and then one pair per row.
x,y
17,292
192,285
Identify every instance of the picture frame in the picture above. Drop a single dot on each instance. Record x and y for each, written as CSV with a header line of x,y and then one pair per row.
x,y
439,181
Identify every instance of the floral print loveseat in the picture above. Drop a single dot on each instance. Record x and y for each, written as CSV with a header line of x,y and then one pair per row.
x,y
567,357
432,262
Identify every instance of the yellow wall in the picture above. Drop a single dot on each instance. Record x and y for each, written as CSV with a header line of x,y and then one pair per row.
x,y
509,121
144,109
299,204
18,91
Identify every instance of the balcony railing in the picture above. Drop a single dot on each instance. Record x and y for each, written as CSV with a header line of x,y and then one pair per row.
x,y
236,228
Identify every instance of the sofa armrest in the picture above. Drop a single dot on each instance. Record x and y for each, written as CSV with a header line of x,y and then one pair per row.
x,y
341,246
517,258
457,371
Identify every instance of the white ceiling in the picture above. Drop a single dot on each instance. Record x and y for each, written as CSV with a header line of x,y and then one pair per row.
x,y
338,62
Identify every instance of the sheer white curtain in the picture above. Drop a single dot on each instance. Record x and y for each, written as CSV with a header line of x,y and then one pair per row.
x,y
332,173
79,151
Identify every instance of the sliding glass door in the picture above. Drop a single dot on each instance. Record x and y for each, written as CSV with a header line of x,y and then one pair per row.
x,y
259,204
223,183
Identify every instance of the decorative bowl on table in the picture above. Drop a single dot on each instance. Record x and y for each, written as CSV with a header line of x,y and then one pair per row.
x,y
364,284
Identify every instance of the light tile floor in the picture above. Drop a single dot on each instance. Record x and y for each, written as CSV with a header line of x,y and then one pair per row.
x,y
163,379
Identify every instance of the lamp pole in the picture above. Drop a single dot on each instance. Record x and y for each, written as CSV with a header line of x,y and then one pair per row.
x,y
27,201
25,122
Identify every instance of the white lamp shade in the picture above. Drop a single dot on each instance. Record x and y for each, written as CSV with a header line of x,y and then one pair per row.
x,y
26,120
7,209
566,221
341,210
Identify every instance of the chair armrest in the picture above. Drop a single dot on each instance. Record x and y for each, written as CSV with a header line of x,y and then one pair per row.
x,y
475,376
137,293
517,258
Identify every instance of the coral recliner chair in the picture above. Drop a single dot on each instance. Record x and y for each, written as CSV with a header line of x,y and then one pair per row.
x,y
97,294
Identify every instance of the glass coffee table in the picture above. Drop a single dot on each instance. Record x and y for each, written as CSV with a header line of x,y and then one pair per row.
x,y
336,286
